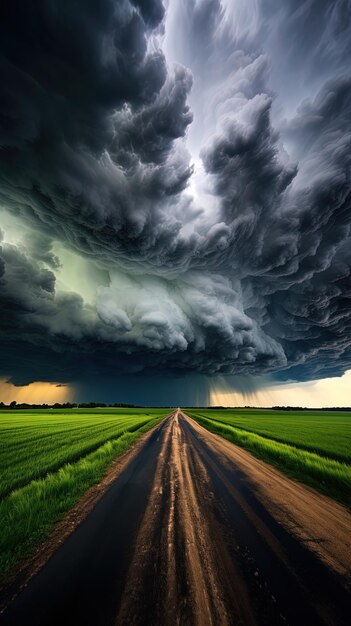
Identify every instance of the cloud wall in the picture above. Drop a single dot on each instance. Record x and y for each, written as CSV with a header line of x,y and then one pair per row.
x,y
195,156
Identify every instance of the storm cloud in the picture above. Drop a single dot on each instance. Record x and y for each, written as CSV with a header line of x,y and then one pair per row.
x,y
195,159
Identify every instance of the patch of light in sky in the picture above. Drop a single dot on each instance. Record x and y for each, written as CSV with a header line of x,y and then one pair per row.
x,y
79,274
327,392
37,392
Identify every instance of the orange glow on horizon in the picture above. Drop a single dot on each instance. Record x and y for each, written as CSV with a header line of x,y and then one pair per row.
x,y
35,393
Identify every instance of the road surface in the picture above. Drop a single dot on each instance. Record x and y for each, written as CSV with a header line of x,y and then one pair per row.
x,y
195,531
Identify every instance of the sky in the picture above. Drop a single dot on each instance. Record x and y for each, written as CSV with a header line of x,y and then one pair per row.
x,y
175,201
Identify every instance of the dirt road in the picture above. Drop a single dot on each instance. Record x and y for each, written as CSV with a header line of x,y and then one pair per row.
x,y
196,531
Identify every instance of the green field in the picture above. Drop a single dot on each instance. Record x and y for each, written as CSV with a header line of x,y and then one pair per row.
x,y
48,459
312,446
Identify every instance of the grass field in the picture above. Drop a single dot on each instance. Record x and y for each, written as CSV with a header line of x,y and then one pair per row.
x,y
48,459
312,446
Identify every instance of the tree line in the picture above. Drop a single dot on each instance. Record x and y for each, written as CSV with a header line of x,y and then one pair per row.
x,y
66,405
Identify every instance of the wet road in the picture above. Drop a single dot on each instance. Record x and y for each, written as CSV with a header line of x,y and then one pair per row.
x,y
184,537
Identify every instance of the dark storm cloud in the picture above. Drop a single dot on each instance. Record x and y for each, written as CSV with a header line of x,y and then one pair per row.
x,y
151,10
137,325
89,123
291,227
253,277
289,220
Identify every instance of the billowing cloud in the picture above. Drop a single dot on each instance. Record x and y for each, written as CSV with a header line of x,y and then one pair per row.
x,y
198,162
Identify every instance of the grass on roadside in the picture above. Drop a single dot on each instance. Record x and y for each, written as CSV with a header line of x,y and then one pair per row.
x,y
29,514
31,452
329,476
327,433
